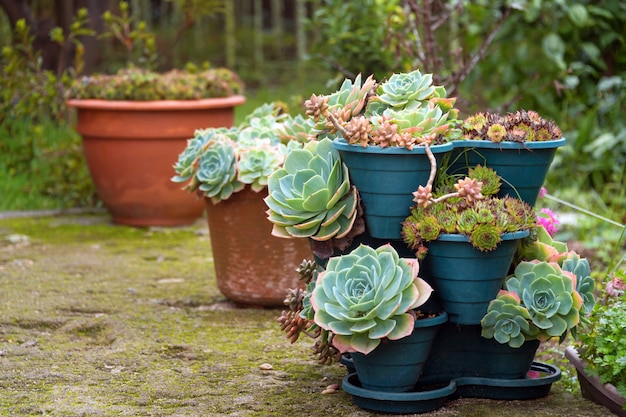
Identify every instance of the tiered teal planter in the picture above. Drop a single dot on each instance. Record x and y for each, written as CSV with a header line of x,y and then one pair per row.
x,y
395,365
522,166
460,351
461,363
464,278
386,179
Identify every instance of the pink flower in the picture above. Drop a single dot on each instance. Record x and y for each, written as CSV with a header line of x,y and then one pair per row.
x,y
533,374
615,287
543,191
548,220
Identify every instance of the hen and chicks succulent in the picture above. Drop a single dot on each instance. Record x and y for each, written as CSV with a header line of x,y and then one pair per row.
x,y
467,207
520,126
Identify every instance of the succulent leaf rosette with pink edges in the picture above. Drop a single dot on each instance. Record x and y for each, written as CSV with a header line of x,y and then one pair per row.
x,y
368,295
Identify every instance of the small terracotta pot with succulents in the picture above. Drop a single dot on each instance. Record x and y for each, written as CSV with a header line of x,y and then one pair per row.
x,y
229,169
134,124
519,146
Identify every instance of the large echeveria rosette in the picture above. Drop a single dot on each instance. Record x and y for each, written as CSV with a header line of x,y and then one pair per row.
x,y
549,294
311,196
368,295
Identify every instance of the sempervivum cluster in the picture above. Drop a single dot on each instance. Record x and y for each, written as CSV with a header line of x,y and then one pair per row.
x,y
467,207
520,126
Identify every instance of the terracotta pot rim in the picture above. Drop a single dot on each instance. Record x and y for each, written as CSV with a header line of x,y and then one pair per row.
x,y
205,103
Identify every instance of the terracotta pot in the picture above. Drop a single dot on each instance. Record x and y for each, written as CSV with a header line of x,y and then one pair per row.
x,y
252,267
131,146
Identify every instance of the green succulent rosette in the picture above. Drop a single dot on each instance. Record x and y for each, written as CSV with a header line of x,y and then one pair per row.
x,y
419,120
257,163
217,171
507,321
219,161
367,295
401,89
184,166
549,294
585,284
311,196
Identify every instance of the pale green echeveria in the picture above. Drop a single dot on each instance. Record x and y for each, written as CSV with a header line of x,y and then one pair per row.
x,y
217,170
257,162
507,321
404,88
264,115
295,129
185,167
311,196
585,284
549,294
367,295
419,121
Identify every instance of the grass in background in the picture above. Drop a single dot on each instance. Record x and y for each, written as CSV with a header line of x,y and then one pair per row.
x,y
42,167
289,83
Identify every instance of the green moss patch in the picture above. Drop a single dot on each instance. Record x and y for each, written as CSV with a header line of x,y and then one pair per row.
x,y
105,320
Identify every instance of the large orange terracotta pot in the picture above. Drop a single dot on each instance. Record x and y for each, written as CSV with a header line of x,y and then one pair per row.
x,y
131,147
252,267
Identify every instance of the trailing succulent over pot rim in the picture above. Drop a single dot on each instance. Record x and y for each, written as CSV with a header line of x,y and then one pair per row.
x,y
368,295
467,207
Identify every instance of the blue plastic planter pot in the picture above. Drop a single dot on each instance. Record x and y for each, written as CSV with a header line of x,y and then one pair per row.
x,y
522,166
464,278
460,351
386,179
395,365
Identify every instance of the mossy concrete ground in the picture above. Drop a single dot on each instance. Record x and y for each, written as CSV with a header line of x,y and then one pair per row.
x,y
99,319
